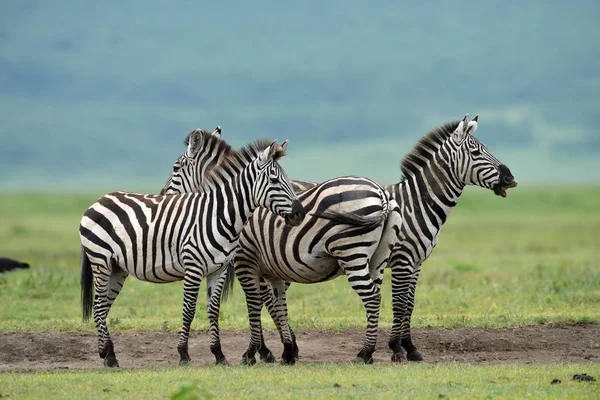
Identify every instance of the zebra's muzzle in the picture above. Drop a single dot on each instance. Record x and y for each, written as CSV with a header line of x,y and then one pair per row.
x,y
501,188
297,215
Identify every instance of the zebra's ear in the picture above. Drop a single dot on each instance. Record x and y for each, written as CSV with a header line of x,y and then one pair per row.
x,y
194,140
280,152
460,133
217,132
472,127
268,153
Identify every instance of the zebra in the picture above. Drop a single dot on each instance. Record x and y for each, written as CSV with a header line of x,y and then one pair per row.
x,y
435,172
356,211
167,238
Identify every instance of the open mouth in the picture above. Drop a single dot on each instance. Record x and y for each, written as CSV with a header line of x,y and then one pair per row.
x,y
500,190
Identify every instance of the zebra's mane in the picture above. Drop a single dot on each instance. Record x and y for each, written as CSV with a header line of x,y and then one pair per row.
x,y
425,149
208,140
236,160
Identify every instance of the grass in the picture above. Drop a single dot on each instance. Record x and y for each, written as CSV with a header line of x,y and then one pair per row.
x,y
327,381
527,259
530,258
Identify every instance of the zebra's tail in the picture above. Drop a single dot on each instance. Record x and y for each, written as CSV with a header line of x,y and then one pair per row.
x,y
87,286
362,222
229,281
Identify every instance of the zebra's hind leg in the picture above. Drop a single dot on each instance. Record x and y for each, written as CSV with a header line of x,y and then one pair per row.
x,y
265,353
268,300
250,282
191,284
215,285
102,280
290,353
362,283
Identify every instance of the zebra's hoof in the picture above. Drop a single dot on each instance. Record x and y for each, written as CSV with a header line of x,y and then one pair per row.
x,y
414,356
287,361
111,362
269,358
360,360
222,361
184,362
398,357
248,361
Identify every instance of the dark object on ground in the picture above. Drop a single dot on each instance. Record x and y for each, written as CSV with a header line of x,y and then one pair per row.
x,y
7,264
555,381
337,385
583,378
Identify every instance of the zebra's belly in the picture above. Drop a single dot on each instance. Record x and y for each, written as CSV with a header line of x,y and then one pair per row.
x,y
162,271
310,268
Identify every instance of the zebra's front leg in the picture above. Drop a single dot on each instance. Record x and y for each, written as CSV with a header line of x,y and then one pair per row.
x,y
362,283
412,353
215,285
101,307
191,284
290,351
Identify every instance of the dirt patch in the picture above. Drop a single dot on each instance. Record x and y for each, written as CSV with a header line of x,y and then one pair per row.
x,y
528,345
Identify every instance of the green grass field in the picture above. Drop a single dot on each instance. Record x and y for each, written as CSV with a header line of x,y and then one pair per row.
x,y
530,258
309,381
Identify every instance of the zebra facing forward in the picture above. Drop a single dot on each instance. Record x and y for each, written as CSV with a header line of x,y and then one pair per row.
x,y
436,172
356,211
167,238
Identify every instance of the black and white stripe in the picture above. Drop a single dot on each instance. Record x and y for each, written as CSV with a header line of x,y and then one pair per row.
x,y
166,238
435,173
351,225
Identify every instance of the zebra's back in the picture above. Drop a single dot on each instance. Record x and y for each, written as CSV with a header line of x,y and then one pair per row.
x,y
305,254
142,234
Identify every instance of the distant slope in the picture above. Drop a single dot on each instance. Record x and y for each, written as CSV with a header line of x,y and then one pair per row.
x,y
106,92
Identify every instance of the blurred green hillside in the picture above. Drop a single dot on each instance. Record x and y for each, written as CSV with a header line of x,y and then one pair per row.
x,y
102,94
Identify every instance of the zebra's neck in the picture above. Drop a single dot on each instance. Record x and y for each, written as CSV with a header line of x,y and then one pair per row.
x,y
233,199
429,194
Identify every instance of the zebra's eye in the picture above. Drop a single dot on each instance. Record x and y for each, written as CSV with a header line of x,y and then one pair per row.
x,y
176,168
274,180
476,152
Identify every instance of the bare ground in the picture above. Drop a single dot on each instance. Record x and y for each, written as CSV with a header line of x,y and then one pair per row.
x,y
527,345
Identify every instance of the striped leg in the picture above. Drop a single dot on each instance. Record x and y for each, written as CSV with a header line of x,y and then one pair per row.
x,y
362,283
102,277
191,284
280,317
267,295
117,280
412,353
215,284
402,271
250,283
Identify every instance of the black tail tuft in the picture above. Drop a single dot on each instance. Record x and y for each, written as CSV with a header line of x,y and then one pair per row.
x,y
87,286
229,281
24,265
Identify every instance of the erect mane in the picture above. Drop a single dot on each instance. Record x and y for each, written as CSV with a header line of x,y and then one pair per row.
x,y
206,138
426,148
236,160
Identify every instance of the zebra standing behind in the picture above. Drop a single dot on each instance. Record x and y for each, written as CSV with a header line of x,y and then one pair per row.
x,y
436,172
357,212
167,238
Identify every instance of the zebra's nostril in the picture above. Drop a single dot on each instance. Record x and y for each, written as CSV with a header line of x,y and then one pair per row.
x,y
508,179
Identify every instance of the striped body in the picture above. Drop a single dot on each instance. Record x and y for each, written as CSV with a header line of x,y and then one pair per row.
x,y
354,241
